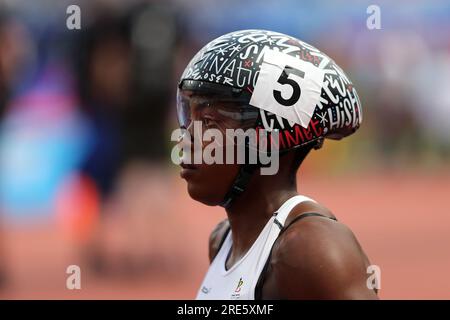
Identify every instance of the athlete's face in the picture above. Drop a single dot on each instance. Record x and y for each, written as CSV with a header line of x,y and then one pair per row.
x,y
209,183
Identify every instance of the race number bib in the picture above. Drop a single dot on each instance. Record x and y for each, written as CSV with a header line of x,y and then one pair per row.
x,y
288,87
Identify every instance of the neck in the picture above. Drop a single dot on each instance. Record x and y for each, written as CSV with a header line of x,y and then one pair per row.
x,y
250,212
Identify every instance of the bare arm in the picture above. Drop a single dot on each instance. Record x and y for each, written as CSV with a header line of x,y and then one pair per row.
x,y
318,258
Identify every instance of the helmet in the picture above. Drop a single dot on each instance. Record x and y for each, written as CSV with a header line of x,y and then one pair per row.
x,y
277,83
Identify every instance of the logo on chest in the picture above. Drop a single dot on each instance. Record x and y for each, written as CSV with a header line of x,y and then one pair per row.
x,y
237,292
206,290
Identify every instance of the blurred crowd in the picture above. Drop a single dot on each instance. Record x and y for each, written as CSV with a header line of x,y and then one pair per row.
x,y
83,123
86,115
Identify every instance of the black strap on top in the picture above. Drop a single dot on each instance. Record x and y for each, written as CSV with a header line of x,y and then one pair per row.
x,y
239,184
304,215
262,276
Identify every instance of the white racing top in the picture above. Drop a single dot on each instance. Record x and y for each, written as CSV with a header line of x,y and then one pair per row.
x,y
240,280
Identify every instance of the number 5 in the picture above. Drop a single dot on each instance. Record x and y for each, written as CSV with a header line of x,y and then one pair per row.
x,y
296,91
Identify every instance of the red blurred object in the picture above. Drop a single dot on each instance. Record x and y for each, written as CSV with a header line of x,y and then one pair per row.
x,y
78,207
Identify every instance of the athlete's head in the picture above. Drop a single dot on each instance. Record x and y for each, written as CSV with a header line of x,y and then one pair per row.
x,y
266,82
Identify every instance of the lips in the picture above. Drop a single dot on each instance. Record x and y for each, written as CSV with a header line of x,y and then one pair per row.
x,y
187,171
187,166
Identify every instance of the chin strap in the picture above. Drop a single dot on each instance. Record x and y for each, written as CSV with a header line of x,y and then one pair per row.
x,y
245,173
239,184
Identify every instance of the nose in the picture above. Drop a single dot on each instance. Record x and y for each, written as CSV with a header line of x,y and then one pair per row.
x,y
195,131
185,140
192,136
190,128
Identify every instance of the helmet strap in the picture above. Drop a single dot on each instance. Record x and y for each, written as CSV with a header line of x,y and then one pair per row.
x,y
239,184
245,173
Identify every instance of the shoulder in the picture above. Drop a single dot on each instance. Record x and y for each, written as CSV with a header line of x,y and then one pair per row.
x,y
216,237
319,258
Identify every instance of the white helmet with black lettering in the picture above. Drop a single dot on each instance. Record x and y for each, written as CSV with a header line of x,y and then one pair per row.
x,y
277,82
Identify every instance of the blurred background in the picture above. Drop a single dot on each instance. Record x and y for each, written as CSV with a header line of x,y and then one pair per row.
x,y
85,123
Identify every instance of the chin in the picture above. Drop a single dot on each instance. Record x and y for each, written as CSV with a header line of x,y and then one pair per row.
x,y
204,196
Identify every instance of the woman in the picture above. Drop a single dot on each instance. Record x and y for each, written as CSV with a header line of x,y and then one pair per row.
x,y
275,243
